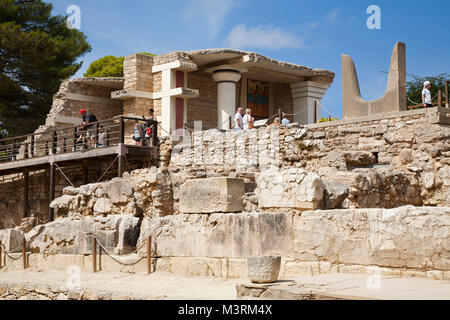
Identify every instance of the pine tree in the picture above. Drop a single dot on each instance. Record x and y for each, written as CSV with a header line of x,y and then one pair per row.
x,y
37,52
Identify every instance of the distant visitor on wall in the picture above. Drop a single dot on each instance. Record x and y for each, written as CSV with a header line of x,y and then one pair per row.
x,y
238,121
152,125
426,95
285,120
248,121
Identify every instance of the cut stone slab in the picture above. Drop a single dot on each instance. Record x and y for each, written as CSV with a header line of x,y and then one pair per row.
x,y
212,195
292,188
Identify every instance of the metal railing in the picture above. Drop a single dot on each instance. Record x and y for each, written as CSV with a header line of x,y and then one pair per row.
x,y
99,134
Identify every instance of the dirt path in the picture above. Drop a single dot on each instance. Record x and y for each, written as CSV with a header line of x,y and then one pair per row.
x,y
159,285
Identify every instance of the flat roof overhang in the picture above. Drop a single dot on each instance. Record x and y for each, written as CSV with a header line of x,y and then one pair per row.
x,y
256,66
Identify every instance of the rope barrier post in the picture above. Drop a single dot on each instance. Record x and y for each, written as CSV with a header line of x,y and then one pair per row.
x,y
94,255
24,253
279,115
149,254
440,98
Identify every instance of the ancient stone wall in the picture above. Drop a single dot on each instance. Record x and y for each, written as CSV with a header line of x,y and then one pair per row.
x,y
203,108
11,189
387,161
282,99
77,94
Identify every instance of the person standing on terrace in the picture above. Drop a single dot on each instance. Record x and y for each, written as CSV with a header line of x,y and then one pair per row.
x,y
426,95
238,121
88,119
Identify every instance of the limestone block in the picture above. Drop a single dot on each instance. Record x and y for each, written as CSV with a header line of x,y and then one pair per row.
x,y
118,190
358,158
62,202
73,236
263,269
12,239
405,237
335,194
103,206
291,188
220,235
212,195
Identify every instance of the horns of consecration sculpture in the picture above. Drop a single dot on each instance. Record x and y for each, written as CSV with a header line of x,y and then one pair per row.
x,y
394,98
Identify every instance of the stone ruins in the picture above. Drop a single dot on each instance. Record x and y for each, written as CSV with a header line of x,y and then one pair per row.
x,y
371,190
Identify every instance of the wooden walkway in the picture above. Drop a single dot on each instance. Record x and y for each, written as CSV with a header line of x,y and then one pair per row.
x,y
105,140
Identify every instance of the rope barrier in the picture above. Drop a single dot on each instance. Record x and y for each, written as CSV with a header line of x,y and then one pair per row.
x,y
324,109
107,169
57,167
116,259
8,253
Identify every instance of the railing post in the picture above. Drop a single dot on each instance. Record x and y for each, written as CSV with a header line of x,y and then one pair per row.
x,y
26,149
279,115
24,253
155,134
440,98
97,125
13,150
54,142
122,130
149,254
64,150
32,147
75,130
94,255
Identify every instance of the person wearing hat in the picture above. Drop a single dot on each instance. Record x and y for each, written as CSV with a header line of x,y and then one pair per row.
x,y
88,119
426,95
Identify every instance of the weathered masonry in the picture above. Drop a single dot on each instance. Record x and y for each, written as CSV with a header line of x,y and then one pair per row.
x,y
369,191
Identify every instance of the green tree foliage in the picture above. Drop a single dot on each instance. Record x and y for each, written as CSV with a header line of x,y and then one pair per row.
x,y
108,66
414,87
37,52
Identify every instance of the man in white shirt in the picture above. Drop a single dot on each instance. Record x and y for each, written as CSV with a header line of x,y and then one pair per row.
x,y
238,123
426,95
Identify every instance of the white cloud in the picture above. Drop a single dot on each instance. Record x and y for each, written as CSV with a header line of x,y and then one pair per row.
x,y
262,37
331,16
312,25
210,14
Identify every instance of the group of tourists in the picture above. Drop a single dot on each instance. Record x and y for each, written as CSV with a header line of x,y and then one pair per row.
x,y
143,132
245,122
87,132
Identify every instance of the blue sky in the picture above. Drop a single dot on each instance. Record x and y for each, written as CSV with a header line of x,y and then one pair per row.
x,y
310,33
